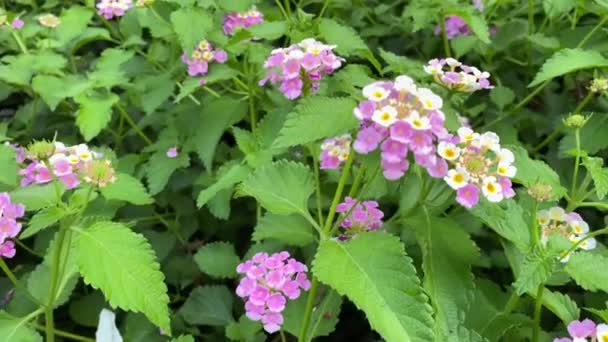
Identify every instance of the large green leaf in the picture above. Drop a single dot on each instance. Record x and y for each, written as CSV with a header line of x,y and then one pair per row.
x,y
566,61
507,220
43,219
208,305
303,125
291,229
218,259
561,305
531,172
127,188
282,187
191,26
94,113
8,165
375,273
13,329
599,175
587,269
123,266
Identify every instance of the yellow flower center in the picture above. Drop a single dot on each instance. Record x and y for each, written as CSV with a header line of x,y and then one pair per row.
x,y
491,188
378,94
450,153
458,178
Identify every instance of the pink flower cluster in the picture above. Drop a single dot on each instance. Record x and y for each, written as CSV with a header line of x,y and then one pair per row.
x,y
300,65
334,151
479,164
268,280
569,225
67,163
9,227
399,117
458,76
454,26
203,55
234,20
580,331
359,217
113,8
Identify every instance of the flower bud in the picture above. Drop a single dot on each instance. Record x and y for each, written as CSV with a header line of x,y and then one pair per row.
x,y
40,150
99,172
598,85
540,192
575,121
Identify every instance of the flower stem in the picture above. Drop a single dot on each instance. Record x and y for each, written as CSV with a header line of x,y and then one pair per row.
x,y
283,338
537,311
49,324
590,34
315,165
323,9
308,311
22,46
577,160
65,334
280,5
535,228
444,36
338,194
11,276
132,123
579,242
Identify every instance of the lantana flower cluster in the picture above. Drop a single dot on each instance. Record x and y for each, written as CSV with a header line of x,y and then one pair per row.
x,y
584,331
234,20
201,57
399,117
454,75
569,225
9,227
268,282
16,23
113,8
334,151
299,65
49,20
478,164
358,217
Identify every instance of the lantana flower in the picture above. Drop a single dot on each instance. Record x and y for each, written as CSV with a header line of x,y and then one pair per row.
x,y
113,8
9,226
234,20
478,165
358,217
299,65
581,331
399,118
269,281
49,20
569,225
454,75
202,56
334,151
172,152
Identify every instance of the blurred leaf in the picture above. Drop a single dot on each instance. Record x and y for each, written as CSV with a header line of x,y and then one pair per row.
x,y
531,172
566,61
218,259
94,113
208,305
599,175
583,266
127,188
35,196
8,165
14,329
324,316
191,26
507,220
291,229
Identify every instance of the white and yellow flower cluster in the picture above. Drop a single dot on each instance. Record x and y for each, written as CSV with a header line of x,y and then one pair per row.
x,y
569,225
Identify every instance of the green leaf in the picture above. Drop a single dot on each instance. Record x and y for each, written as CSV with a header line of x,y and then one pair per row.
x,y
346,39
183,338
109,69
243,330
226,180
208,305
324,316
402,65
154,90
236,5
448,253
599,175
566,61
13,329
584,268
94,113
8,165
218,259
535,270
475,21
36,197
561,305
282,187
43,219
160,168
302,125
123,266
191,26
374,272
555,8
593,137
502,96
74,20
291,229
531,172
54,89
509,222
269,30
127,188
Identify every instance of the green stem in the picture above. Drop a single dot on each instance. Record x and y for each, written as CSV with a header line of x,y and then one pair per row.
x,y
511,303
27,249
535,229
22,46
577,160
132,123
323,9
357,182
530,17
590,34
50,337
280,5
308,310
537,311
579,242
64,334
338,194
444,36
283,339
598,205
11,276
315,164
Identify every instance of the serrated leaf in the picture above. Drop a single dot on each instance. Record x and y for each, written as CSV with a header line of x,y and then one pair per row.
x,y
508,222
160,168
375,273
94,113
43,219
599,175
561,305
324,316
55,89
208,305
346,39
226,180
291,229
282,187
243,330
535,270
122,264
475,21
217,259
35,197
584,268
302,125
127,188
13,329
566,61
269,30
8,165
191,26
531,172
555,8
109,69
73,22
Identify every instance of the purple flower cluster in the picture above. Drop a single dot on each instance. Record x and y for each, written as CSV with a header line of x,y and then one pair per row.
x,y
454,26
399,117
234,20
334,151
581,330
9,227
203,55
113,8
569,225
268,280
458,76
479,164
359,217
300,65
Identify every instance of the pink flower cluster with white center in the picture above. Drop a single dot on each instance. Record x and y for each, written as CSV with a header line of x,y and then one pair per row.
x,y
334,151
581,331
234,20
478,164
9,227
359,217
268,281
67,162
203,55
299,65
569,225
458,76
399,117
113,8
